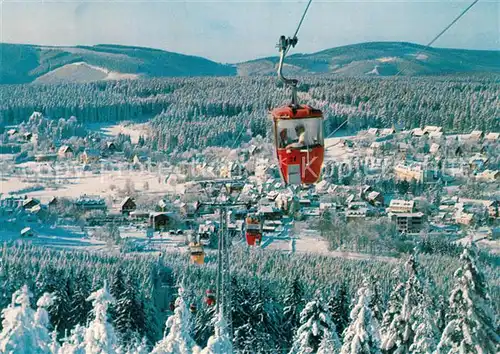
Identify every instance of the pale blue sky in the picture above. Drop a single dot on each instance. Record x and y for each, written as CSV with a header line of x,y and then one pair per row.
x,y
232,31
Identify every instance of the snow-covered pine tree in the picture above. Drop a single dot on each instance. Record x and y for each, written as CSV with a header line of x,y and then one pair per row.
x,y
362,337
315,321
19,333
425,329
220,342
241,309
79,306
75,343
376,299
100,337
128,311
398,337
393,310
42,321
178,340
54,346
328,345
203,324
473,326
293,304
138,346
60,309
339,308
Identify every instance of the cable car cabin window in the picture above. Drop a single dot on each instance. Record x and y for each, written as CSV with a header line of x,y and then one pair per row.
x,y
300,133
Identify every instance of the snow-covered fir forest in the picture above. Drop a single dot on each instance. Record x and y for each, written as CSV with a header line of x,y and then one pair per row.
x,y
80,302
183,110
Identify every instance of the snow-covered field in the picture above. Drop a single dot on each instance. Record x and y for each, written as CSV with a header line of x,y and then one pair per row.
x,y
135,130
73,182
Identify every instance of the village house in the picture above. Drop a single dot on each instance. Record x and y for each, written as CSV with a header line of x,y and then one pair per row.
x,y
27,232
161,220
89,156
417,132
476,135
490,205
478,162
89,202
416,172
408,222
436,135
387,132
29,203
27,136
492,136
401,206
127,205
464,218
162,205
429,129
488,176
52,203
65,152
435,148
376,148
270,213
375,198
356,213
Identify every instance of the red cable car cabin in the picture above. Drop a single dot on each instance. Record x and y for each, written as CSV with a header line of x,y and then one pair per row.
x,y
253,232
299,141
210,297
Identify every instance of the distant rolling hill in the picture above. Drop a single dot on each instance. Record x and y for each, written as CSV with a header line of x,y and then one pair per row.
x,y
28,63
42,64
382,59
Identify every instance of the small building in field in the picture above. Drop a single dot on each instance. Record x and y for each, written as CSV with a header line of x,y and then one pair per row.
x,y
65,152
161,220
89,156
27,136
27,232
127,205
29,203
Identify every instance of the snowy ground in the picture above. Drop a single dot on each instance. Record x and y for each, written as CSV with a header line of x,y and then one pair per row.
x,y
133,129
308,241
481,241
72,181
